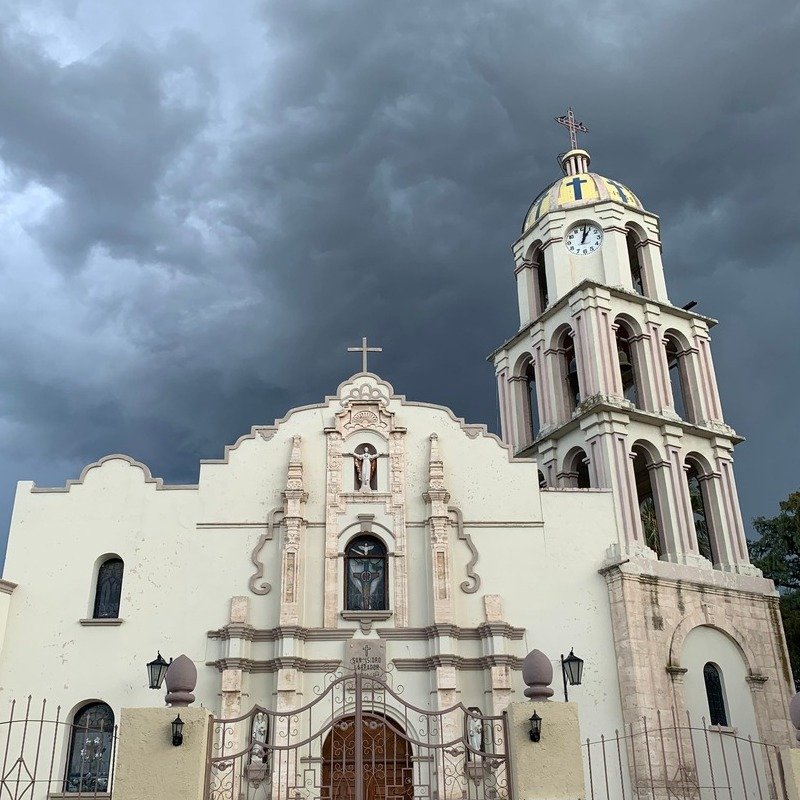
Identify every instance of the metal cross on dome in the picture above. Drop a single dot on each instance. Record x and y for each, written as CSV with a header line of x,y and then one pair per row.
x,y
364,350
573,126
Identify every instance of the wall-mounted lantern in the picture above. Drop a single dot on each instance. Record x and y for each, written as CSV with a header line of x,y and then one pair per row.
x,y
177,731
536,727
571,670
156,671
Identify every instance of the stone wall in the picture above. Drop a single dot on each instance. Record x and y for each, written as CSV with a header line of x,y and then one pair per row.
x,y
654,605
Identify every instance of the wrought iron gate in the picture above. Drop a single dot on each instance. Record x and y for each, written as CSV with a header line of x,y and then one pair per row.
x,y
359,740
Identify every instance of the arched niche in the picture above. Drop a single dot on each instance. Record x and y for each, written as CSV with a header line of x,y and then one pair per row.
x,y
366,441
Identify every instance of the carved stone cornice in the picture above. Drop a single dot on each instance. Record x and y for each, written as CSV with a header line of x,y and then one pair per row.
x,y
458,662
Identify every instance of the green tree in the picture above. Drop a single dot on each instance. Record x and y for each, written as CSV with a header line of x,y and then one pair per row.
x,y
777,553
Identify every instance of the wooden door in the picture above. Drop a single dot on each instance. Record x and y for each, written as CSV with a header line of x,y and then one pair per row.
x,y
384,764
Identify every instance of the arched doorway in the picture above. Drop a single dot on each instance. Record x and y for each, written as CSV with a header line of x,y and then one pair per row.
x,y
384,767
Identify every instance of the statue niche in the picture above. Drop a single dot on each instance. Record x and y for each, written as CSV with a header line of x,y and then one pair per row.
x,y
365,467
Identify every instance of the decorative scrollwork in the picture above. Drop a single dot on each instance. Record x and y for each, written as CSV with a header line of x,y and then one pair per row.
x,y
473,581
264,587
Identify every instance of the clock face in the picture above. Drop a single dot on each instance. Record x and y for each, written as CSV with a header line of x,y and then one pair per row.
x,y
584,238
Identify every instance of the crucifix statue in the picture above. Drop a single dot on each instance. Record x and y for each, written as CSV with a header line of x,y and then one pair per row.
x,y
366,463
364,350
573,126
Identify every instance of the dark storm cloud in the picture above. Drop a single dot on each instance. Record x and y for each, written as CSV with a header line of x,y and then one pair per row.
x,y
197,228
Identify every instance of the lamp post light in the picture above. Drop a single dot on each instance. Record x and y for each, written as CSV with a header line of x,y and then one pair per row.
x,y
536,727
571,670
177,731
156,671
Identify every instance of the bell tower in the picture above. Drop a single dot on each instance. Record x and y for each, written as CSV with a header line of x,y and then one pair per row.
x,y
611,386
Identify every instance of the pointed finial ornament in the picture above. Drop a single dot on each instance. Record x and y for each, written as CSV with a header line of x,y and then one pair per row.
x,y
573,126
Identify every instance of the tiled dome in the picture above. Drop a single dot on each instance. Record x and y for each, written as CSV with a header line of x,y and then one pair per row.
x,y
578,189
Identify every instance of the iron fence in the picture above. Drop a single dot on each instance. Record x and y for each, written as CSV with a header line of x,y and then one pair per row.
x,y
46,757
672,758
359,740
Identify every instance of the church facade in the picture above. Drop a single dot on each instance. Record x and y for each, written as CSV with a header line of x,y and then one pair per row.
x,y
605,520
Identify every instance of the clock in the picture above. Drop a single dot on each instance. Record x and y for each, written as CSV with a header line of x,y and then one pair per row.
x,y
584,238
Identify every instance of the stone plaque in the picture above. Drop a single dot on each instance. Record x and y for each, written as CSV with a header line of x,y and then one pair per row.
x,y
366,656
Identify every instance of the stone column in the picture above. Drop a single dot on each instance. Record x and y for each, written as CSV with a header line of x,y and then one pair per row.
x,y
236,650
544,383
437,498
584,349
294,498
708,378
332,512
502,387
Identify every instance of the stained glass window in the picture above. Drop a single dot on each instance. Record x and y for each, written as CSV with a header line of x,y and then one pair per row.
x,y
109,589
91,745
365,582
716,699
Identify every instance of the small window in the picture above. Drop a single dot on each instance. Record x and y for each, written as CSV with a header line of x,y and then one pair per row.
x,y
718,715
90,748
365,575
108,589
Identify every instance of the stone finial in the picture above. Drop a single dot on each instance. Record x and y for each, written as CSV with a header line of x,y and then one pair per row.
x,y
294,477
181,679
537,672
794,713
435,467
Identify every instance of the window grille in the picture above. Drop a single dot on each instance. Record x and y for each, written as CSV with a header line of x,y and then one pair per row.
x,y
109,589
716,699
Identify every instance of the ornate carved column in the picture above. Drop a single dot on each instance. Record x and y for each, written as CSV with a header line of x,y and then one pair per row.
x,y
236,650
294,498
397,460
332,511
437,498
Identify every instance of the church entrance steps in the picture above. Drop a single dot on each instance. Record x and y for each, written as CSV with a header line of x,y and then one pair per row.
x,y
359,740
674,756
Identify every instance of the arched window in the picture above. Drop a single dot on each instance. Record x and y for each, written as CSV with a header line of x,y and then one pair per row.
x,y
365,575
648,511
702,528
718,714
90,748
635,261
542,480
108,589
678,378
533,403
540,277
627,364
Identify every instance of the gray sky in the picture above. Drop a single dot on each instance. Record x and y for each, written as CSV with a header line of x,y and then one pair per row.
x,y
202,204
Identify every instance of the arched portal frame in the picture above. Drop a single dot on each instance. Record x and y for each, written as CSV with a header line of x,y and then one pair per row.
x,y
684,379
563,357
527,400
576,472
705,506
633,370
651,490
